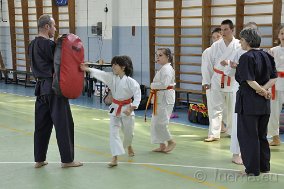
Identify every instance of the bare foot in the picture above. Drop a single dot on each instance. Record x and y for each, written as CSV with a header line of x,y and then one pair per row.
x,y
113,162
71,164
130,151
159,150
237,159
211,139
223,127
40,164
171,146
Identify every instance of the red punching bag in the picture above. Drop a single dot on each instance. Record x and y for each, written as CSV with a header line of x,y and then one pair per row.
x,y
68,79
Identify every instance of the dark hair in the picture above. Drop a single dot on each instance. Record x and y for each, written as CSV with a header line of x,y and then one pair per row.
x,y
228,22
216,30
251,36
168,53
124,61
43,20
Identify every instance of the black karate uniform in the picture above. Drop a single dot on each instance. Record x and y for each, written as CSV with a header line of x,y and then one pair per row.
x,y
50,109
254,110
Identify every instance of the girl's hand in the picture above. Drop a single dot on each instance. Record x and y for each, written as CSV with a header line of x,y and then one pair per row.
x,y
84,67
129,110
225,62
233,64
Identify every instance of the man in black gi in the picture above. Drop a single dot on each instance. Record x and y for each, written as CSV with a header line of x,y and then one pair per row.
x,y
256,73
50,109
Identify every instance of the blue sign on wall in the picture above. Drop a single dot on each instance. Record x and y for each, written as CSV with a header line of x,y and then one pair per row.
x,y
61,2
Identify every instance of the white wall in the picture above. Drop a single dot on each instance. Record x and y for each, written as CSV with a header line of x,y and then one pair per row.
x,y
122,15
128,12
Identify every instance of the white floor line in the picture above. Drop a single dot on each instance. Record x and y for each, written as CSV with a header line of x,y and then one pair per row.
x,y
154,164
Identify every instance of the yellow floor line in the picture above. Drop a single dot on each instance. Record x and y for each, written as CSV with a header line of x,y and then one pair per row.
x,y
199,181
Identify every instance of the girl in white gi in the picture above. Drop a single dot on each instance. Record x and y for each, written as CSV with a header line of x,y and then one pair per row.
x,y
277,90
123,88
164,99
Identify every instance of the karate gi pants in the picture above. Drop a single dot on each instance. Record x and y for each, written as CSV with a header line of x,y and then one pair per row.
x,y
234,146
53,110
159,124
126,123
219,100
252,135
276,107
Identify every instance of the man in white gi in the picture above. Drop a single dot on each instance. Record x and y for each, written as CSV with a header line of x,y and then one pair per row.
x,y
221,94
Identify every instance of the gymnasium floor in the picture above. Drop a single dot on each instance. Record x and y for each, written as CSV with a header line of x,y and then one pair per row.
x,y
193,164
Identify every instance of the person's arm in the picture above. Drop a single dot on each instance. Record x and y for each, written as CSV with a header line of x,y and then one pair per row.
x,y
255,85
270,83
105,77
135,88
258,89
166,79
206,69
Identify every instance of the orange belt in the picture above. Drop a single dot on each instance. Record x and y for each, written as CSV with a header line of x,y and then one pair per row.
x,y
273,89
120,104
153,93
223,78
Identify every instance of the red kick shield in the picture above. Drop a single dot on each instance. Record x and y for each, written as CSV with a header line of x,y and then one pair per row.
x,y
68,79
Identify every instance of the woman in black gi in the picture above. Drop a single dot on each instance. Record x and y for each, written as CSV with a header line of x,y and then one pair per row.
x,y
255,73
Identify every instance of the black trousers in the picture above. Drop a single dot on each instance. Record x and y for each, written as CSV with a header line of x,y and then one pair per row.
x,y
252,136
53,110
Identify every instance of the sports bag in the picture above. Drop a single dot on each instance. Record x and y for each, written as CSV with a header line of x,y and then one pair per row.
x,y
107,97
198,113
68,79
144,98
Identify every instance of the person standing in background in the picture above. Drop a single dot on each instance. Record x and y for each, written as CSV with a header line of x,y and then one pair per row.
x,y
255,73
221,84
162,88
231,71
277,90
207,72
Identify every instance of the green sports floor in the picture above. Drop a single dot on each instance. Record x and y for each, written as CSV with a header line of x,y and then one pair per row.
x,y
193,164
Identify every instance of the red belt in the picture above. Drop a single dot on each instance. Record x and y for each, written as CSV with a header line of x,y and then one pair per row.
x,y
120,104
153,93
223,78
273,89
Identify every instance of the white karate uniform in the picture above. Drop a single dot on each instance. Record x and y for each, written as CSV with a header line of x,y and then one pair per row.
x,y
165,102
276,104
207,72
122,89
221,97
234,145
